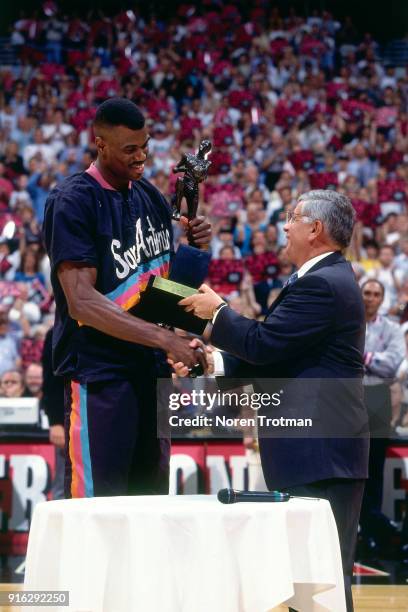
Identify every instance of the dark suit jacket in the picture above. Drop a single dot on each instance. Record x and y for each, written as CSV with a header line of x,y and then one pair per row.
x,y
315,329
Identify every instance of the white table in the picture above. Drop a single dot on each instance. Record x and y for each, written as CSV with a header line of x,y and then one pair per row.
x,y
186,554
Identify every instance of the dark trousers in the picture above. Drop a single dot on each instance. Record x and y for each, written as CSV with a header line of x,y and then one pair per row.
x,y
112,446
345,496
378,402
372,519
57,487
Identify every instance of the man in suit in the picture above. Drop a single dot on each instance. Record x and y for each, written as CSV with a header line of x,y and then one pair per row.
x,y
314,330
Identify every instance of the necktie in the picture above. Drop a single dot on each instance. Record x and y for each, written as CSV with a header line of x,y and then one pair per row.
x,y
292,279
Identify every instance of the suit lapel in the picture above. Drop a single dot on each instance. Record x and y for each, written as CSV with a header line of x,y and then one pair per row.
x,y
278,300
326,261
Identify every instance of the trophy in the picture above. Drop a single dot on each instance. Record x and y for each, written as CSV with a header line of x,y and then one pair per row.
x,y
195,168
159,301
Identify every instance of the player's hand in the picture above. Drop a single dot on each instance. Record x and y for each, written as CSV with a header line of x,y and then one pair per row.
x,y
202,304
198,231
184,354
57,436
182,371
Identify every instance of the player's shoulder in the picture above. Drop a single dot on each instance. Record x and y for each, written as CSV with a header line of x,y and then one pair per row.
x,y
74,188
75,182
73,197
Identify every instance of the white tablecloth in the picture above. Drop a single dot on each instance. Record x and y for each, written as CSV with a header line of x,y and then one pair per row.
x,y
186,554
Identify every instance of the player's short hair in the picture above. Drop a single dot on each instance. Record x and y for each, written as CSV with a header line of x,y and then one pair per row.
x,y
119,111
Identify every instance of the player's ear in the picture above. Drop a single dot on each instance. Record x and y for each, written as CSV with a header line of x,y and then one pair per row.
x,y
100,144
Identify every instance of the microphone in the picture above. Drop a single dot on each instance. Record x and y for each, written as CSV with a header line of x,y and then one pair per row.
x,y
232,496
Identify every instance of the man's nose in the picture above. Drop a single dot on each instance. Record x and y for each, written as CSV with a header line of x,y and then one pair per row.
x,y
140,155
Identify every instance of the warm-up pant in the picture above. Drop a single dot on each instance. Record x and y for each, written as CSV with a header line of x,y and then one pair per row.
x,y
112,446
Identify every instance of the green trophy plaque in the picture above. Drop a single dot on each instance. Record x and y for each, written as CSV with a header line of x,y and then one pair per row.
x,y
159,304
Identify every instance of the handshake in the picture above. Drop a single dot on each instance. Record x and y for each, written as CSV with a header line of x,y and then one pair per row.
x,y
193,358
190,357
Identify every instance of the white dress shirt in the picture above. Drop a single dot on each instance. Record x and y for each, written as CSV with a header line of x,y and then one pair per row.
x,y
311,262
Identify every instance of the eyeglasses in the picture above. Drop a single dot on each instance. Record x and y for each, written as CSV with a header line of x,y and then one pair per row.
x,y
10,382
291,217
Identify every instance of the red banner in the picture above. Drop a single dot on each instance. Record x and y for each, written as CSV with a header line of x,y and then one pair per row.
x,y
26,472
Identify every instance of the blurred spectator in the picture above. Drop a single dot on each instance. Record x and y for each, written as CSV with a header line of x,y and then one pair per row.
x,y
24,132
274,159
401,260
9,343
249,305
361,166
13,162
6,187
29,269
271,238
38,150
255,220
285,204
31,346
20,196
224,237
12,384
389,276
33,379
9,259
226,273
370,259
29,229
39,187
384,352
55,131
400,418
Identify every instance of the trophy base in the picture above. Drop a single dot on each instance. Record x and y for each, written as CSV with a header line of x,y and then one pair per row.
x,y
159,304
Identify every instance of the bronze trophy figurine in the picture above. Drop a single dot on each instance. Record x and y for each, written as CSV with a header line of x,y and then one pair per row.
x,y
195,168
159,301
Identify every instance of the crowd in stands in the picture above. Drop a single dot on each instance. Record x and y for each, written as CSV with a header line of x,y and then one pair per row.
x,y
290,103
